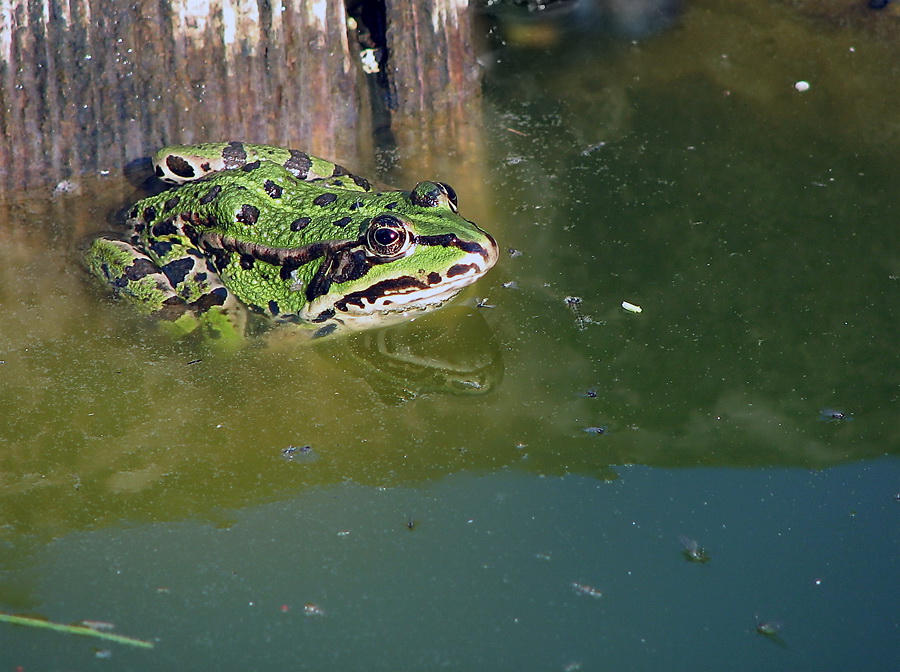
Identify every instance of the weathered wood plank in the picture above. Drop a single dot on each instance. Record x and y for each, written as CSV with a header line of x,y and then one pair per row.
x,y
89,85
434,78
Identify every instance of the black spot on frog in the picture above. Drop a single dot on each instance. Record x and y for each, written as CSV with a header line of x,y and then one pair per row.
x,y
324,199
210,195
248,214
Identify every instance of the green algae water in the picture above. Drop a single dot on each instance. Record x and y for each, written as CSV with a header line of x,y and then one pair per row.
x,y
506,484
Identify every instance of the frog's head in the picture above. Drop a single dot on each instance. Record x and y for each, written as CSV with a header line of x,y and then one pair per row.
x,y
414,254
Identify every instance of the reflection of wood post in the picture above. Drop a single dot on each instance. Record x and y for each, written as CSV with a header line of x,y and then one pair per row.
x,y
435,84
93,85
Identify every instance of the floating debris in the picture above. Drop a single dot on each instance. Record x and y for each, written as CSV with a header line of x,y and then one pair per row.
x,y
801,86
513,252
512,284
298,454
771,630
692,551
593,148
631,307
595,430
312,609
768,628
75,629
584,589
833,415
483,303
574,302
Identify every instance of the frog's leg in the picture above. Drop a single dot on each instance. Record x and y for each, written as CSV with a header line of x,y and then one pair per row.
x,y
185,293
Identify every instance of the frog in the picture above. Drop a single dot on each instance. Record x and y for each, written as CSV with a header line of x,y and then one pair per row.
x,y
248,229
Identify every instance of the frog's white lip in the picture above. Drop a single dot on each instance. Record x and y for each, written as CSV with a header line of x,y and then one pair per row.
x,y
397,307
408,297
422,299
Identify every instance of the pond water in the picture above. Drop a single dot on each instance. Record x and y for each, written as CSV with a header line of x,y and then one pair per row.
x,y
510,483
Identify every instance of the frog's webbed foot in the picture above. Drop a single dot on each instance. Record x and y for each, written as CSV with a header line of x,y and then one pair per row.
x,y
184,302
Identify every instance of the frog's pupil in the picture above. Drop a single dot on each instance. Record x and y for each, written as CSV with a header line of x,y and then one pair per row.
x,y
385,236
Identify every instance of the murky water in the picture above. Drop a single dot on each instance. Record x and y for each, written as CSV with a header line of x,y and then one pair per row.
x,y
441,494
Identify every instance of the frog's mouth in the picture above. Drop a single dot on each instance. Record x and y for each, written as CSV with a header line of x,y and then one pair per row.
x,y
409,292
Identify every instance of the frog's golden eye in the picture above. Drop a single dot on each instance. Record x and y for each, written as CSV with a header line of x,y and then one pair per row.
x,y
388,236
433,195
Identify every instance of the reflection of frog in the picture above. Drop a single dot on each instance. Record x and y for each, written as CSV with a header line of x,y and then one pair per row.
x,y
292,237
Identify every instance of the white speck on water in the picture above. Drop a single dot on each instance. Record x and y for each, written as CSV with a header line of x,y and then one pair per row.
x,y
802,86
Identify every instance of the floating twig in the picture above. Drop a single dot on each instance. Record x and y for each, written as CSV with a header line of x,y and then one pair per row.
x,y
86,630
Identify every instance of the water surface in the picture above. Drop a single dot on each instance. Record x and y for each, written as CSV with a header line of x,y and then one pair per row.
x,y
457,515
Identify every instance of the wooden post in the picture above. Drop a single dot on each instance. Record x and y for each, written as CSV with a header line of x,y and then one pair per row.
x,y
436,86
90,85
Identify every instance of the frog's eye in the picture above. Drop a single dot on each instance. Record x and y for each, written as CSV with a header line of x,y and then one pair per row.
x,y
433,195
387,236
451,194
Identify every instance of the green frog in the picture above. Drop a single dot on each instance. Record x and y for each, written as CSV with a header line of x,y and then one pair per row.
x,y
290,236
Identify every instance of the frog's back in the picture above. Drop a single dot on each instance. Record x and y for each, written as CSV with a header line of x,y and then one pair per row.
x,y
177,164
